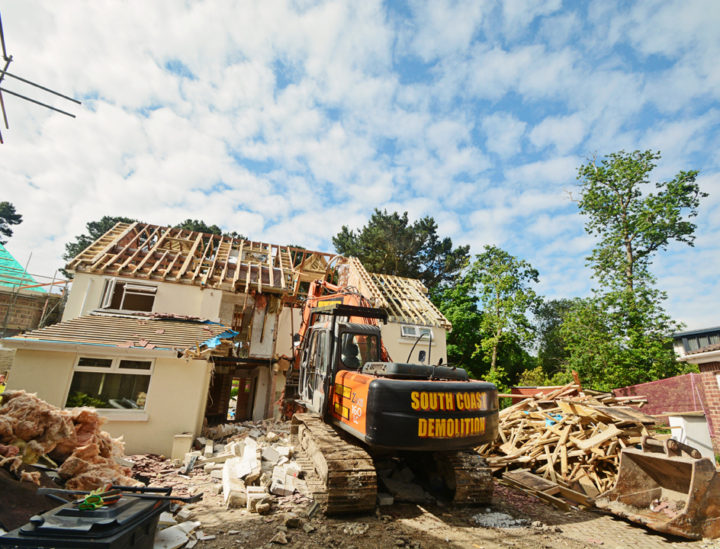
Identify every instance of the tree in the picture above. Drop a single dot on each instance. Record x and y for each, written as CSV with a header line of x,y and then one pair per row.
x,y
621,335
502,286
198,226
8,217
633,225
460,306
95,229
552,347
390,244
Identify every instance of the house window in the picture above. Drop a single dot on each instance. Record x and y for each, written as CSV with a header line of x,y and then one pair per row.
x,y
110,383
128,296
414,332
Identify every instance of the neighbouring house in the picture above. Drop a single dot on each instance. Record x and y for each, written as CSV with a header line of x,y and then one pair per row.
x,y
690,341
691,402
138,272
26,302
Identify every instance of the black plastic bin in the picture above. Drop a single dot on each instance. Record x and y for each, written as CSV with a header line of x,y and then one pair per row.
x,y
131,522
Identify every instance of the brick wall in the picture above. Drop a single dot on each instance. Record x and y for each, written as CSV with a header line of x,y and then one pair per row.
x,y
25,311
687,393
674,394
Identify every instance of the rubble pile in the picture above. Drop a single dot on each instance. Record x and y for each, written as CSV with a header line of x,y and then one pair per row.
x,y
251,465
567,437
31,430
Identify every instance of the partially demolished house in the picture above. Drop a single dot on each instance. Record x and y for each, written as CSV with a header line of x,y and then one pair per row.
x,y
162,325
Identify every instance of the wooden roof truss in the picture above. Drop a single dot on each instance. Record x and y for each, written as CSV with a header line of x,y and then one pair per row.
x,y
406,301
139,250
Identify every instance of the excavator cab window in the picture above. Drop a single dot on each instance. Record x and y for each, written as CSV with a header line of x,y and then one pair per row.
x,y
357,349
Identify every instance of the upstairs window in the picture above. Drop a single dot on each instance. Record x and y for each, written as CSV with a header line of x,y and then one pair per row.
x,y
413,332
128,296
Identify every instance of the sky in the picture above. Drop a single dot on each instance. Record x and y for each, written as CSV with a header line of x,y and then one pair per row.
x,y
285,120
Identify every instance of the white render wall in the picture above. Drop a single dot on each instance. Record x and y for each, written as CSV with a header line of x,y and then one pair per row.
x,y
183,299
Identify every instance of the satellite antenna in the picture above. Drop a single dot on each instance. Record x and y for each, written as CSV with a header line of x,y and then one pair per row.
x,y
6,60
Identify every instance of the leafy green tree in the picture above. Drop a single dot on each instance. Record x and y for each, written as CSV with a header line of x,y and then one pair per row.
x,y
8,217
621,335
552,347
631,223
503,287
390,244
199,226
460,306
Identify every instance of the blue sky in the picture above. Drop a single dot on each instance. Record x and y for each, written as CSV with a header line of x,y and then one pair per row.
x,y
286,120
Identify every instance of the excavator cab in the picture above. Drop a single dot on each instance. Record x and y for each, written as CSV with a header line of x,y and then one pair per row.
x,y
334,345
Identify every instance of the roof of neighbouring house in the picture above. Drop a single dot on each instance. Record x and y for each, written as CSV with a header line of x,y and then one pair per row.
x,y
706,349
14,275
143,251
404,299
151,332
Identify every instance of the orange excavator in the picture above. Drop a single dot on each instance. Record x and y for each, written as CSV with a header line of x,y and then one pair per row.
x,y
358,404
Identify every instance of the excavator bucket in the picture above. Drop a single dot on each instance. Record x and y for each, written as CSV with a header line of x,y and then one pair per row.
x,y
667,487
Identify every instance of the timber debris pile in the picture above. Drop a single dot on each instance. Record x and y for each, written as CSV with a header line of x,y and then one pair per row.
x,y
568,438
32,431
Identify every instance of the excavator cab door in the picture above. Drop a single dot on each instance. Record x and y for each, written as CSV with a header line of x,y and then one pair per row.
x,y
314,370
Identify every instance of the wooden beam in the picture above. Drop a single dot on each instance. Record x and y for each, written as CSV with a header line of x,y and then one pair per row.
x,y
190,257
107,248
152,251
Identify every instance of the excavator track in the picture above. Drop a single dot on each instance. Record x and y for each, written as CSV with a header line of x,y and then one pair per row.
x,y
467,475
348,483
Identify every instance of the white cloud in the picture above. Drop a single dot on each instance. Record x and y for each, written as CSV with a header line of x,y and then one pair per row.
x,y
504,134
562,132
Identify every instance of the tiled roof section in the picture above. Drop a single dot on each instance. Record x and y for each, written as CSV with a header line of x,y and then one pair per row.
x,y
13,274
143,251
128,332
706,349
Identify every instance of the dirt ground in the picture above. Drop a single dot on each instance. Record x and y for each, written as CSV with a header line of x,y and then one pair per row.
x,y
427,527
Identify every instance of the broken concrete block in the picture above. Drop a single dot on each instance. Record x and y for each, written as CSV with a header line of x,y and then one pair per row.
x,y
209,449
184,514
284,451
271,437
270,454
293,469
232,485
216,474
263,508
170,538
189,455
253,476
188,526
254,433
202,536
166,519
282,483
254,495
192,543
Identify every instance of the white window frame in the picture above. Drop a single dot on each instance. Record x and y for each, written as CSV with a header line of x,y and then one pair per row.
x,y
129,287
114,369
413,331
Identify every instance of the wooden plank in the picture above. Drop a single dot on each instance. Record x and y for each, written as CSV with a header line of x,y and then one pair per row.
x,y
603,436
190,257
